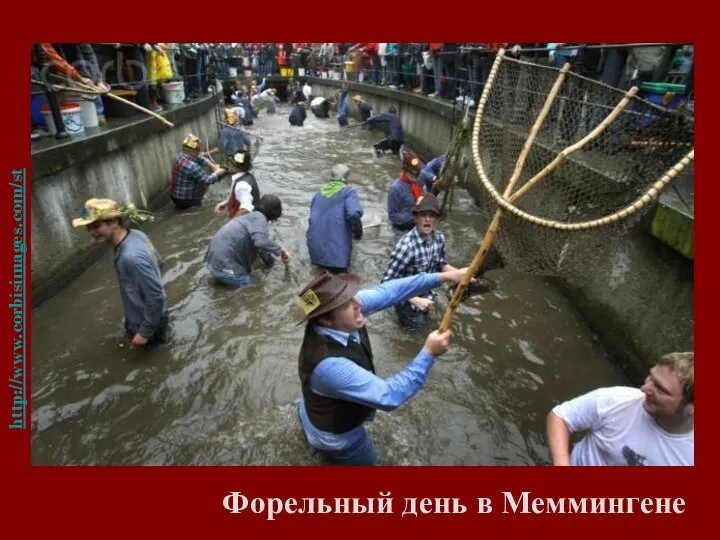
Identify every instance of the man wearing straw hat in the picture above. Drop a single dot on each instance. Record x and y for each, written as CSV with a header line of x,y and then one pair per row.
x,y
364,107
188,181
340,390
137,265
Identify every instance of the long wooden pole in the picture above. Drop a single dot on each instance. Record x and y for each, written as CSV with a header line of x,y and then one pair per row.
x,y
123,100
494,226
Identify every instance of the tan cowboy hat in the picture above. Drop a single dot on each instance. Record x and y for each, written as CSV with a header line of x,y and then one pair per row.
x,y
358,99
97,210
327,292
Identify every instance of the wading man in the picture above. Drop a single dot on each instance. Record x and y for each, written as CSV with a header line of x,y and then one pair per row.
x,y
335,221
137,265
244,190
340,391
237,244
188,181
422,250
650,425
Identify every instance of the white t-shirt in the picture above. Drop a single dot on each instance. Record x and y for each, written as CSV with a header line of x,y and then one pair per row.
x,y
307,91
243,192
621,431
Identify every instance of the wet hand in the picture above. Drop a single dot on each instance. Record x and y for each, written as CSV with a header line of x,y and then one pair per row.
x,y
139,340
454,275
423,304
437,343
221,207
285,256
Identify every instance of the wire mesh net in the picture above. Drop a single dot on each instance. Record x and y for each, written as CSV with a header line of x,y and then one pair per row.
x,y
607,174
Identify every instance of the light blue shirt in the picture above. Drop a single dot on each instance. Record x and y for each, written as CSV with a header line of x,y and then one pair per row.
x,y
341,378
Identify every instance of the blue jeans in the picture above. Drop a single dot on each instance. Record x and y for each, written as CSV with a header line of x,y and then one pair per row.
x,y
231,280
411,320
361,452
477,77
437,63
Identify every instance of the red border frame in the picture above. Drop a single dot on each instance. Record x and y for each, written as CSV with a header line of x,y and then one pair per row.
x,y
149,501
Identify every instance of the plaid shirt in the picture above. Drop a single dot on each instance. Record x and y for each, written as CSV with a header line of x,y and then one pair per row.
x,y
414,254
188,180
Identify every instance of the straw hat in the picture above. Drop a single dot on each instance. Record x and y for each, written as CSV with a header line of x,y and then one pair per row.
x,y
191,141
358,99
327,292
97,210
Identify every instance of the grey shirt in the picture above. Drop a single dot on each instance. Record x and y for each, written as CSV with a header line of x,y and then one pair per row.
x,y
235,246
143,296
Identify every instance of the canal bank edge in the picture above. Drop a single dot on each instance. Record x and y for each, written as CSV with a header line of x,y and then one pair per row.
x,y
639,299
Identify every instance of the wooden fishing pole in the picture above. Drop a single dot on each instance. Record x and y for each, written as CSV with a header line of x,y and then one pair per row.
x,y
494,226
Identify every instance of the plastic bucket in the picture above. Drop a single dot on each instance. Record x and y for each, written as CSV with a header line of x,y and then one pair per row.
x,y
174,92
71,115
233,71
324,75
301,72
349,67
248,72
88,110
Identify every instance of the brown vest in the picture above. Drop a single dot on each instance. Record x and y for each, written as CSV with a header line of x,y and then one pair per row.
x,y
330,414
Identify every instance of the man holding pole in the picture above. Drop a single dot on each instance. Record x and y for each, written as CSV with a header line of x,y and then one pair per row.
x,y
188,181
340,391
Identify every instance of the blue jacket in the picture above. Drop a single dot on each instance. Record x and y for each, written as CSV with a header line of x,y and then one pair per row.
x,y
333,222
365,110
400,205
432,169
297,115
342,107
393,127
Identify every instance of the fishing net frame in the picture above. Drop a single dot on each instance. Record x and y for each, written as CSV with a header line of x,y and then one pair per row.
x,y
590,208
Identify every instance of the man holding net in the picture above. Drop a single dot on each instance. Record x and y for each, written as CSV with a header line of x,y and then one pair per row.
x,y
420,251
652,425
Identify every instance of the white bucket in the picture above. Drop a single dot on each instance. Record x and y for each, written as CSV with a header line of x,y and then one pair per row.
x,y
174,92
361,76
233,71
248,72
301,72
324,74
71,115
88,110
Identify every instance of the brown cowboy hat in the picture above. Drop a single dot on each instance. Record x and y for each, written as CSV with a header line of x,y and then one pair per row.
x,y
327,292
427,203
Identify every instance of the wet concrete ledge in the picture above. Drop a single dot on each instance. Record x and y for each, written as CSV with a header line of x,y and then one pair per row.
x,y
51,156
639,298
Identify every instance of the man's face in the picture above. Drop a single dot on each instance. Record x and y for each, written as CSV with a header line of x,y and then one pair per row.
x,y
102,230
663,393
347,317
426,222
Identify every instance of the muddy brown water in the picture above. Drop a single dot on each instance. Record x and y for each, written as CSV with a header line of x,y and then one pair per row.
x,y
224,390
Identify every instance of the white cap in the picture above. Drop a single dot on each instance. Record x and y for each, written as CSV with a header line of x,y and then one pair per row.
x,y
340,172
